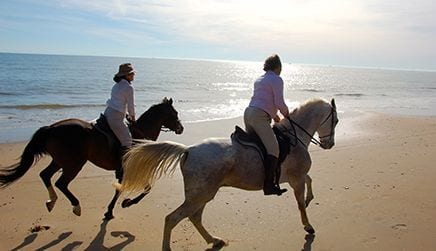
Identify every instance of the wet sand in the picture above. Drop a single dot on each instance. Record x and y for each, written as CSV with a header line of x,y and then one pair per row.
x,y
373,191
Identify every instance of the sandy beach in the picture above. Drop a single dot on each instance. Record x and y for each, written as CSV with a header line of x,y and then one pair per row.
x,y
373,191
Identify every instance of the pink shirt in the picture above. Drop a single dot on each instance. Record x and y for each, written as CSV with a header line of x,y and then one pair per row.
x,y
268,94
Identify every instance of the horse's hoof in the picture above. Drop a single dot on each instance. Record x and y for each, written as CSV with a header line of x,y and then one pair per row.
x,y
50,204
108,216
309,229
77,210
219,244
126,203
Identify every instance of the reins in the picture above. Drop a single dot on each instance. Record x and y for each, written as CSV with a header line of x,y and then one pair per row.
x,y
162,129
313,140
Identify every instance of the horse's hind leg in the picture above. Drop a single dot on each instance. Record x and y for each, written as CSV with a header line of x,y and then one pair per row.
x,y
298,185
196,219
309,194
46,176
62,183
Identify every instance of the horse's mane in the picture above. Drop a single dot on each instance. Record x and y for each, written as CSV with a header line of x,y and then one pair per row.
x,y
151,113
307,106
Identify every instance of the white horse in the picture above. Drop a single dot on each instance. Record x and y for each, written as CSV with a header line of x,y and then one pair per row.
x,y
220,162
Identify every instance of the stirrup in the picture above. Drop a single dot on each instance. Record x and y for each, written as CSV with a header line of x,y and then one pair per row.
x,y
274,190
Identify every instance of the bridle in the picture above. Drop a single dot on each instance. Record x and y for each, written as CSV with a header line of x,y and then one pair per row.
x,y
165,129
332,125
134,127
312,139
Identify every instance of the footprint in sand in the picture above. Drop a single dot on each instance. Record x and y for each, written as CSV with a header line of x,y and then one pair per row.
x,y
38,228
400,226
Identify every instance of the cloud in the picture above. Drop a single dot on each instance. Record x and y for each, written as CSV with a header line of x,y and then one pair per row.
x,y
407,17
231,22
304,28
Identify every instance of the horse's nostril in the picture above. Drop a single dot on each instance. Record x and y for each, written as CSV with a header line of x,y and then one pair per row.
x,y
179,129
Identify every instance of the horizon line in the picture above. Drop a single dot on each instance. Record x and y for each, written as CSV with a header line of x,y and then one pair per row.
x,y
230,61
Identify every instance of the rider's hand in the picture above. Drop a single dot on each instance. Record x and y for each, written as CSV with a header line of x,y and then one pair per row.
x,y
131,119
276,118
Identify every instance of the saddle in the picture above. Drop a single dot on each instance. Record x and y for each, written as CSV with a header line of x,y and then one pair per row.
x,y
253,140
102,126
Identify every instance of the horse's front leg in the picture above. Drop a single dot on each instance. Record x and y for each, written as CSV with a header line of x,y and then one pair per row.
x,y
309,194
128,202
298,186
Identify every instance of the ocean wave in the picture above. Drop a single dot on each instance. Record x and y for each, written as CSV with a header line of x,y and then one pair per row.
x,y
8,94
349,94
184,101
229,86
48,106
311,90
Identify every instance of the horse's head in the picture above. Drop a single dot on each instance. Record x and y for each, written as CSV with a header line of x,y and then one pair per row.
x,y
170,117
152,122
326,129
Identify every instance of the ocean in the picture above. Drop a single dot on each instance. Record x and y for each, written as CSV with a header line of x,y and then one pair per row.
x,y
37,90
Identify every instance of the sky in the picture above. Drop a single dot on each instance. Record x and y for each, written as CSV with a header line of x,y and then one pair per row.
x,y
368,33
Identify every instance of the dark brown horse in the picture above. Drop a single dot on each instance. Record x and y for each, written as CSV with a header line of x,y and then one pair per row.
x,y
72,142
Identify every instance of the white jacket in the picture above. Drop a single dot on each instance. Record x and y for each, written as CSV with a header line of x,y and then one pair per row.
x,y
122,98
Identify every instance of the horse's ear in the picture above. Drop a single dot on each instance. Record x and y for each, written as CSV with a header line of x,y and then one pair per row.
x,y
333,103
165,100
170,101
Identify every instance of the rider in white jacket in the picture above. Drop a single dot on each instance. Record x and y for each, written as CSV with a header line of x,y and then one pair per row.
x,y
121,103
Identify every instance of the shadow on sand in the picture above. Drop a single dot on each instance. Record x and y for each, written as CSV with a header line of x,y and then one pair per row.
x,y
98,242
307,246
29,239
60,238
309,238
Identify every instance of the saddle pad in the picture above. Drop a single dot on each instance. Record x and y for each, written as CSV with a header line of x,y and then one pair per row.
x,y
252,140
102,126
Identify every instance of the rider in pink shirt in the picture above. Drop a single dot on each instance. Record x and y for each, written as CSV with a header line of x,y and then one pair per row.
x,y
268,94
266,101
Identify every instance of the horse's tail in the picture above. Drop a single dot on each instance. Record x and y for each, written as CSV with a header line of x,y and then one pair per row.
x,y
144,163
31,154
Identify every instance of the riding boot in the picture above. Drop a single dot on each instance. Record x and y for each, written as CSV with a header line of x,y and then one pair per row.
x,y
270,168
124,150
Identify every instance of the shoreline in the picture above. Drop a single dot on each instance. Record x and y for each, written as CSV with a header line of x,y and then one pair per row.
x,y
24,134
372,192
